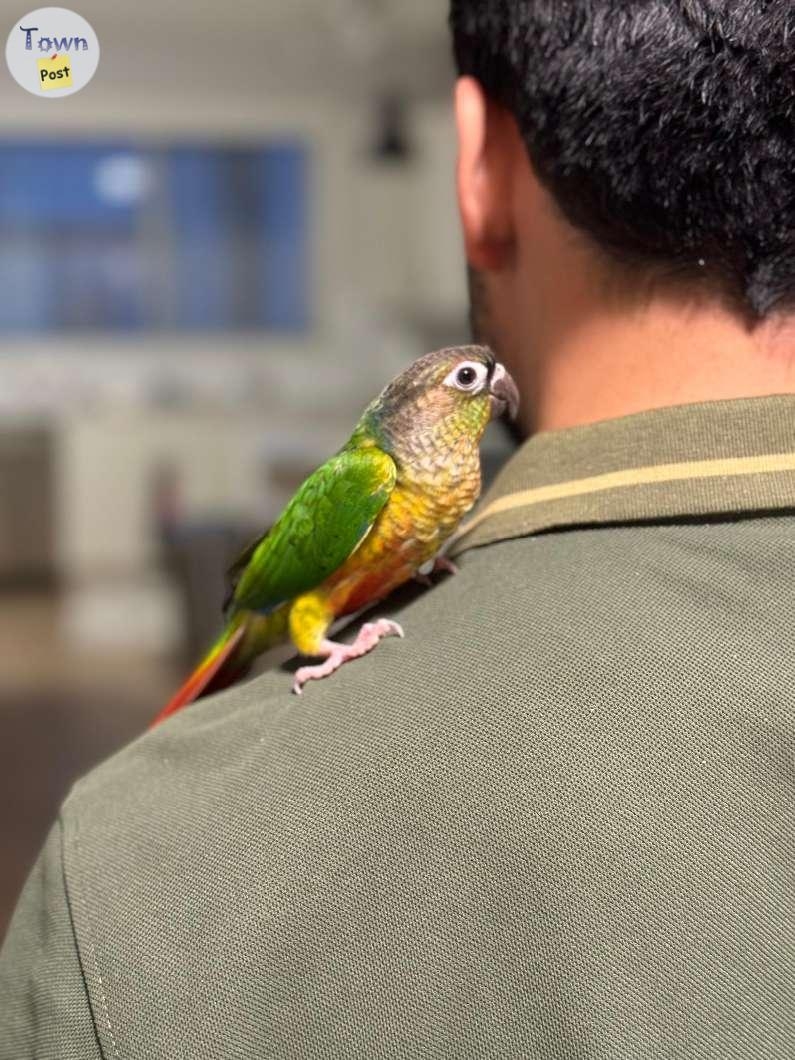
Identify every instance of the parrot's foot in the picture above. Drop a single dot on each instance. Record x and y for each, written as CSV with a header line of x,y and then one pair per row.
x,y
337,654
441,565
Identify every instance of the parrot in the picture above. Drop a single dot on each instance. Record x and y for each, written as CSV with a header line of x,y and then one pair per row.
x,y
363,523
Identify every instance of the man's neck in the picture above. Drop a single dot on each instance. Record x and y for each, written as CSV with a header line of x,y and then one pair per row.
x,y
616,363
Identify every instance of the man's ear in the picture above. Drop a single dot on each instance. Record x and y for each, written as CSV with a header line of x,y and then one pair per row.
x,y
487,141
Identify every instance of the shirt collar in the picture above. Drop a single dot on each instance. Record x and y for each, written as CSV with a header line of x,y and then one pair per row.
x,y
715,458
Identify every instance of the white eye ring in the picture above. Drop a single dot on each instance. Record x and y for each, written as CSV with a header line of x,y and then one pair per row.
x,y
469,376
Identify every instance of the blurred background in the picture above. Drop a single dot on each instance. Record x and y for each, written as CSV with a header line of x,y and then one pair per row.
x,y
210,259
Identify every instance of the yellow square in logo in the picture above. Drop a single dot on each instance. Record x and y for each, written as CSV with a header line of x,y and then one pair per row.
x,y
55,72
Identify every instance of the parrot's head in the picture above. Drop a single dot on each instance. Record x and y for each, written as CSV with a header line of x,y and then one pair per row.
x,y
446,394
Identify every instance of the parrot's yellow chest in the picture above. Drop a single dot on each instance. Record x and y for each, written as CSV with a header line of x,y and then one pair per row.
x,y
426,505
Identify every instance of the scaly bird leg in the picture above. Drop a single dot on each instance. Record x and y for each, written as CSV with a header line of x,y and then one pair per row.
x,y
443,565
337,654
440,565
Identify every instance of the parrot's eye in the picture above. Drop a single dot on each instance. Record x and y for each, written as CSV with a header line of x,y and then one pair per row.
x,y
469,376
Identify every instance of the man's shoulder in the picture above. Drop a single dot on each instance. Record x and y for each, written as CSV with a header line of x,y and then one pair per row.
x,y
526,624
516,638
491,634
460,636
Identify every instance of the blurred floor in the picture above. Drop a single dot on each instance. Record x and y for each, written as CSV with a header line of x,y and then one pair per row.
x,y
61,712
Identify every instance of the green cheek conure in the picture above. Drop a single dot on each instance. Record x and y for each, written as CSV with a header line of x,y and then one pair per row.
x,y
364,522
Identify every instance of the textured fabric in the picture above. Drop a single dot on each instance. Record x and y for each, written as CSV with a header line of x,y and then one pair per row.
x,y
44,1010
554,822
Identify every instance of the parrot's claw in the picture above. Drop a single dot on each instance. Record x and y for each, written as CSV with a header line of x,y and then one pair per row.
x,y
337,654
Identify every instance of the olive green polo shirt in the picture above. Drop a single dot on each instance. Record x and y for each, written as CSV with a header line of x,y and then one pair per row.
x,y
556,821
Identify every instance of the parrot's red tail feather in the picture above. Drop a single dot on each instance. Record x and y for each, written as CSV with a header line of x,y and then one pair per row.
x,y
206,677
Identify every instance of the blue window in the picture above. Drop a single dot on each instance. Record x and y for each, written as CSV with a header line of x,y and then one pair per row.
x,y
116,237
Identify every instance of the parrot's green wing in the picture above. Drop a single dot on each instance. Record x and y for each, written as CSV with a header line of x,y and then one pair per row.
x,y
323,524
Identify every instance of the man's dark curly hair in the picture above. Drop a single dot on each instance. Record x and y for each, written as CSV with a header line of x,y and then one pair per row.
x,y
665,129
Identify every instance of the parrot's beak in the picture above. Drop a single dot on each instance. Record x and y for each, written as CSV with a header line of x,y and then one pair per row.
x,y
504,395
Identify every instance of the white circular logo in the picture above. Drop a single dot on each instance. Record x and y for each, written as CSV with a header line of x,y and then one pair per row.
x,y
52,52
